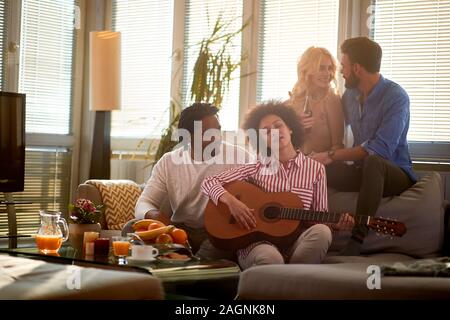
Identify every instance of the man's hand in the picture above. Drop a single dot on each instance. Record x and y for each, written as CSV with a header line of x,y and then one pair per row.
x,y
158,215
243,215
322,157
346,222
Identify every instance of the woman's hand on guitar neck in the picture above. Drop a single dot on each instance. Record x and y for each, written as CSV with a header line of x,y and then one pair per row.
x,y
241,213
346,222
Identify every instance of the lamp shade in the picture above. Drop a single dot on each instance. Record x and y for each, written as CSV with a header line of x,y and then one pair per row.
x,y
104,71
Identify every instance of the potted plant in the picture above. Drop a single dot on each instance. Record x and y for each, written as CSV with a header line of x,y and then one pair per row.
x,y
84,216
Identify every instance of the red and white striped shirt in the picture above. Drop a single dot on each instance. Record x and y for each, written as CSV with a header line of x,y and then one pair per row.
x,y
303,176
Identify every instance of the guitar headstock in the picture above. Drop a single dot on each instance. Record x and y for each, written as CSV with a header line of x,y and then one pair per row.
x,y
387,226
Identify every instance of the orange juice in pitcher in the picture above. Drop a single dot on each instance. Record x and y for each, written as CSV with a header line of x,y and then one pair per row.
x,y
52,232
48,243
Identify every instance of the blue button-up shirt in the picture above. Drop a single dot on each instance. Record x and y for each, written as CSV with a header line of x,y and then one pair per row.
x,y
381,125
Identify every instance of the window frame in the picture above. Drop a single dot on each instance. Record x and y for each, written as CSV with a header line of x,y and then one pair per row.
x,y
128,146
426,151
70,141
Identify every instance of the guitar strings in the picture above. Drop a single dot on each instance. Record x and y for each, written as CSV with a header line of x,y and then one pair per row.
x,y
312,215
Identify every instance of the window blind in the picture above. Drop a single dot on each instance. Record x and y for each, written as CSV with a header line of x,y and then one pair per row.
x,y
3,41
47,184
46,56
286,29
415,39
146,32
200,17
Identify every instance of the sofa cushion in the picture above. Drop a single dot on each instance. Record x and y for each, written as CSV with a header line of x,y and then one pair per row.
x,y
373,258
420,208
334,281
119,198
90,191
22,278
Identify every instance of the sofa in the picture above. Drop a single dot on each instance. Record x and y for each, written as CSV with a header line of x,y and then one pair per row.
x,y
29,279
427,218
421,208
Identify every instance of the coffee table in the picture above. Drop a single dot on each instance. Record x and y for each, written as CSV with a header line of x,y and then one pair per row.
x,y
196,278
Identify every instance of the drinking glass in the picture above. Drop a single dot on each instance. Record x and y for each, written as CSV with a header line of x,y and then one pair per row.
x,y
121,247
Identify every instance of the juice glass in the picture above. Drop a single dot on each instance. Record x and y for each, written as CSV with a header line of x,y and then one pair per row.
x,y
121,247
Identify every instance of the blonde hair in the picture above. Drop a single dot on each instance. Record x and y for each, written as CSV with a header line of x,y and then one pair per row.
x,y
309,63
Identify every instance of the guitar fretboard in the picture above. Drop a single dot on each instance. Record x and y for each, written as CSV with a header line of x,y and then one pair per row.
x,y
319,216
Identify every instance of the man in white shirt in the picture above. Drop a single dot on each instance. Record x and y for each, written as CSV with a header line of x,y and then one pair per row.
x,y
178,175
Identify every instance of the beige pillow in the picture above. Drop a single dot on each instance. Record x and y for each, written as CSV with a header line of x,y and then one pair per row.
x,y
420,208
119,198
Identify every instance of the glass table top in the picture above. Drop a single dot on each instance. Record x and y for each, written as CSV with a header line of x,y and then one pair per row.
x,y
192,268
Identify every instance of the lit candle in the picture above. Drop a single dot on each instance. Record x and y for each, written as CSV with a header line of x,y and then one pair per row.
x,y
90,237
89,248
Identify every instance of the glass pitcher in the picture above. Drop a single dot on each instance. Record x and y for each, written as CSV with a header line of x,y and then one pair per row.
x,y
52,232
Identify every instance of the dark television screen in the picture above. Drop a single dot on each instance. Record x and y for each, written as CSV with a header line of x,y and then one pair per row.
x,y
12,141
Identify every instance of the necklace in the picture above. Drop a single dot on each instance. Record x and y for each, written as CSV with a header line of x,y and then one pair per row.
x,y
320,99
306,107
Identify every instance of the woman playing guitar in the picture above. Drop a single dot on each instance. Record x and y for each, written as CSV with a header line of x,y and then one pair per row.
x,y
294,173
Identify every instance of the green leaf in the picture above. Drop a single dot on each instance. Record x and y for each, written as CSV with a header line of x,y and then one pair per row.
x,y
213,71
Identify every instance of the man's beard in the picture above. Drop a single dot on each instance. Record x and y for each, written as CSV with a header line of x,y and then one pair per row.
x,y
352,81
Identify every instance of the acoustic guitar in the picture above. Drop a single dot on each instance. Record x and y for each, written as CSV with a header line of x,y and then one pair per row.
x,y
279,217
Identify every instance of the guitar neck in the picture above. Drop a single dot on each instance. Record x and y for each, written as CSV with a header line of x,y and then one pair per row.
x,y
317,216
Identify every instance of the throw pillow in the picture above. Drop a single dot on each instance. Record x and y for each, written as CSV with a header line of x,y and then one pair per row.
x,y
420,208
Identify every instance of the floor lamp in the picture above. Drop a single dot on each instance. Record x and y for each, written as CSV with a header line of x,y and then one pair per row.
x,y
104,91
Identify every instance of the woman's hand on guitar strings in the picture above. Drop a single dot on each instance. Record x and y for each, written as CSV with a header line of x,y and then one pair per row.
x,y
243,215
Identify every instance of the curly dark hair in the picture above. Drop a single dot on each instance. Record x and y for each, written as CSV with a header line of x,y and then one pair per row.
x,y
280,109
195,112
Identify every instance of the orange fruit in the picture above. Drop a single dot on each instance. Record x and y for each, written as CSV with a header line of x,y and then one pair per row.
x,y
164,238
155,225
179,236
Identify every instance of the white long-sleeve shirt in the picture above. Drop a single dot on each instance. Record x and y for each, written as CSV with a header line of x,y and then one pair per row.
x,y
181,182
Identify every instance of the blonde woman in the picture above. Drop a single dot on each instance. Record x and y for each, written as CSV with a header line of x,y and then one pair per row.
x,y
315,99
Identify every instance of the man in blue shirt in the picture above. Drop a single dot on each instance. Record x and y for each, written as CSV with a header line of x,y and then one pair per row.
x,y
377,111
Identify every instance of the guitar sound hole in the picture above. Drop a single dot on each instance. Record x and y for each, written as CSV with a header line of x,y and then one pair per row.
x,y
272,213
